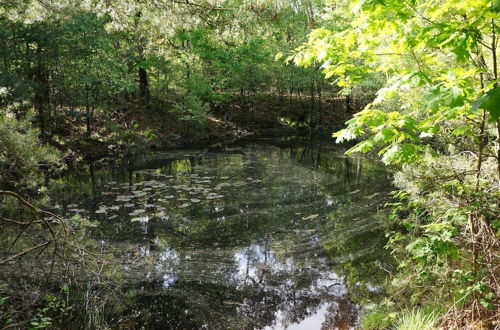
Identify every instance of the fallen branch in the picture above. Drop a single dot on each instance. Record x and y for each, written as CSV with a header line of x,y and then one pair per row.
x,y
41,216
20,254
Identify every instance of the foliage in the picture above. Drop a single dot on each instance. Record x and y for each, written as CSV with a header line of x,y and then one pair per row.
x,y
81,76
192,109
93,64
36,239
416,320
435,122
55,306
126,71
21,154
377,320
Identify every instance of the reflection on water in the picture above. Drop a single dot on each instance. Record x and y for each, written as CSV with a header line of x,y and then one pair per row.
x,y
255,237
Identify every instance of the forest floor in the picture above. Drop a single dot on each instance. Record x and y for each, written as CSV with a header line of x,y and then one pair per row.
x,y
153,127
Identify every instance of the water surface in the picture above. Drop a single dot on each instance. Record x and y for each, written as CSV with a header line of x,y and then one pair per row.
x,y
260,236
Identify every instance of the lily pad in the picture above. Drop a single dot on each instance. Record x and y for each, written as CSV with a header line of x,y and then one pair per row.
x,y
77,210
311,217
140,219
137,212
101,210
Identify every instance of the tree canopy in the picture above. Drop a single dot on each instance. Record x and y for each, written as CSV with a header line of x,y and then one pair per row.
x,y
416,80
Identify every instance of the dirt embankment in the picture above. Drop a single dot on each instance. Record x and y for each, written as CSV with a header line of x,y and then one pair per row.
x,y
154,126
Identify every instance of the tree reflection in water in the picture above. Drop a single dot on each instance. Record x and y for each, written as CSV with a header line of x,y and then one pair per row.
x,y
261,237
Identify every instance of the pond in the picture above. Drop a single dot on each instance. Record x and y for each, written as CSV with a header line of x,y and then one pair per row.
x,y
263,235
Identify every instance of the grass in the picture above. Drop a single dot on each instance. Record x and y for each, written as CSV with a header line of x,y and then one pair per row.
x,y
417,320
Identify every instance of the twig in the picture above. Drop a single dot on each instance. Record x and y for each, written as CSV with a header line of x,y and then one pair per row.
x,y
20,254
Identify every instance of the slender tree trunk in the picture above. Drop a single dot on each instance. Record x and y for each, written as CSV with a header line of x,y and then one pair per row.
x,y
498,150
144,83
311,111
144,91
88,112
310,15
348,103
320,106
41,92
188,71
333,101
495,75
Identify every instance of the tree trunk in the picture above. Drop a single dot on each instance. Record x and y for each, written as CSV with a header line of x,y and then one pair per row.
x,y
320,106
144,83
144,92
41,92
88,118
311,106
348,104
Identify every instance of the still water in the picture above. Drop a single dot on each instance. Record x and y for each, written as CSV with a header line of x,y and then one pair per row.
x,y
265,235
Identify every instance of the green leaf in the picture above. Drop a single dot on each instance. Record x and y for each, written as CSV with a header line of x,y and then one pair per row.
x,y
349,133
416,79
496,5
385,135
465,130
461,49
487,304
363,146
402,153
489,102
442,96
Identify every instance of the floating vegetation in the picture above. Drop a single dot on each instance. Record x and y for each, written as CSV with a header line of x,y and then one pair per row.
x,y
77,210
311,217
101,210
156,194
140,219
211,228
137,212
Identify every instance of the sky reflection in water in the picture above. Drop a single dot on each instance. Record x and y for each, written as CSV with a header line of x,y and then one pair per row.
x,y
258,237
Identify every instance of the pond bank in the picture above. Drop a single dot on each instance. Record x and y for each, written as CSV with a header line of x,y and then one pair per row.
x,y
153,127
